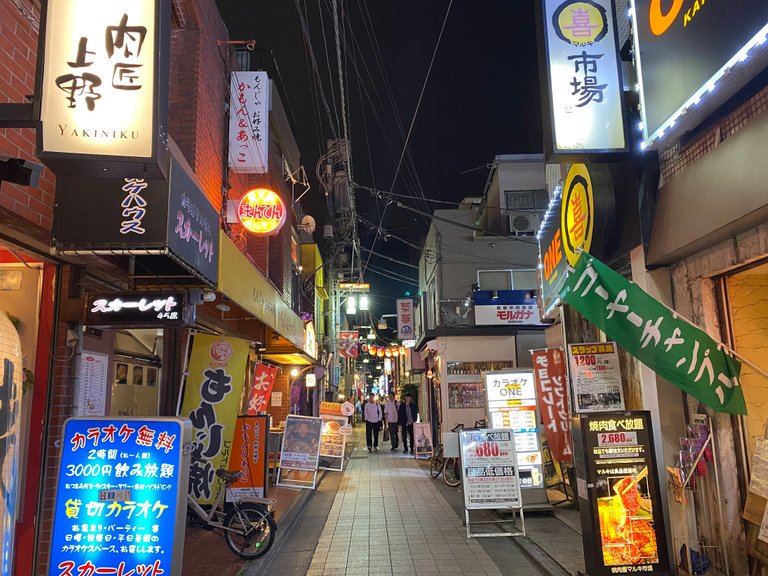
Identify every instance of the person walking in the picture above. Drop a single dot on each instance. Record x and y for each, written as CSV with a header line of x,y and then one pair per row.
x,y
373,415
407,414
393,418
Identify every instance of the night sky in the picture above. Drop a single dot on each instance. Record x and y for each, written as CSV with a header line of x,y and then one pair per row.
x,y
481,100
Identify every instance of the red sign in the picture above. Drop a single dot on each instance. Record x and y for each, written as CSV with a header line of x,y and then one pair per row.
x,y
549,374
261,211
249,457
263,380
348,344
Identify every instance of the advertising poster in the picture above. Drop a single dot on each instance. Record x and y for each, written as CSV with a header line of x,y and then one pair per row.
x,y
120,499
333,440
92,387
332,408
512,405
422,437
550,376
489,465
300,452
623,500
263,381
249,456
214,386
595,377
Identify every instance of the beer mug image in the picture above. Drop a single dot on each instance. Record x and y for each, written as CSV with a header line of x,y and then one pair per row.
x,y
535,476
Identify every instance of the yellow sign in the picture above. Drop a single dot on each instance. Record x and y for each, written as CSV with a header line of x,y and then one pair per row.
x,y
212,394
354,286
577,216
580,22
98,89
261,211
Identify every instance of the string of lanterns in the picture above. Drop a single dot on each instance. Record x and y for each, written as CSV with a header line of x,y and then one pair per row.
x,y
383,351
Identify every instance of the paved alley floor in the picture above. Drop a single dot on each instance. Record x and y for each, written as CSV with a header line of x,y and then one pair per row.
x,y
384,515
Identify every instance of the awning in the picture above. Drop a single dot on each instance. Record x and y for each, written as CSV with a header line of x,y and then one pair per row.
x,y
668,344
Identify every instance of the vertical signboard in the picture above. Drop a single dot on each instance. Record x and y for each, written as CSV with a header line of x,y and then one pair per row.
x,y
619,498
404,318
551,390
249,457
348,347
300,453
595,377
120,499
104,65
249,122
263,381
92,384
583,77
422,438
212,393
333,440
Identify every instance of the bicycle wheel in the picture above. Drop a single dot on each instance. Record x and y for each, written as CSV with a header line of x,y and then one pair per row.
x,y
251,531
437,464
452,472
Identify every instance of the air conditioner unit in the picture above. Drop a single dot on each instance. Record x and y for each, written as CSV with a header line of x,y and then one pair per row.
x,y
524,223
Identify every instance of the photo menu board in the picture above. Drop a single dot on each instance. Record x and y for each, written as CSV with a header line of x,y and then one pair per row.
x,y
619,499
511,398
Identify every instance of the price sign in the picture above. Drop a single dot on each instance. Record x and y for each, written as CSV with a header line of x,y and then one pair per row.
x,y
490,469
617,439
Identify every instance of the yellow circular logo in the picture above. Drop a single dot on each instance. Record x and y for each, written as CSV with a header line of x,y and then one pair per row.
x,y
577,214
580,22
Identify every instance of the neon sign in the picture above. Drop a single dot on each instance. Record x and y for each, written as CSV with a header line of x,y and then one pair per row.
x,y
261,211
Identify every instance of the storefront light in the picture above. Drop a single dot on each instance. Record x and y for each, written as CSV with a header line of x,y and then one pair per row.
x,y
294,372
363,302
351,305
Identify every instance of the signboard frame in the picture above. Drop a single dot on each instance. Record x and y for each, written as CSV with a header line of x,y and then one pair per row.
x,y
181,458
490,436
425,428
293,476
335,461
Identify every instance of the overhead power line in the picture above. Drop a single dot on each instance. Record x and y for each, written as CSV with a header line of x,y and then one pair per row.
x,y
372,253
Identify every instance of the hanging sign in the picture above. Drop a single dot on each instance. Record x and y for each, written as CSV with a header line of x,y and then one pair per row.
x,y
263,381
249,457
250,94
262,212
404,318
595,377
583,77
212,393
681,353
103,97
348,344
121,497
550,376
489,466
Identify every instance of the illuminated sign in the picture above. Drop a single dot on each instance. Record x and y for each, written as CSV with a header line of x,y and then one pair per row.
x,y
120,500
139,309
249,105
101,80
261,211
577,213
692,57
622,525
582,69
404,318
354,286
489,463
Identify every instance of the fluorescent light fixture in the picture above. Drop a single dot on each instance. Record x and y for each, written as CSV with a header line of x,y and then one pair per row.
x,y
363,303
351,305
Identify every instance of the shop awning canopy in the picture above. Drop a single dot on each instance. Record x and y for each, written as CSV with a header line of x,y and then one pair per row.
x,y
680,352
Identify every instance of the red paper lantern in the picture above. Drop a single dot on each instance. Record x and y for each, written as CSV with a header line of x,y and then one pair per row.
x,y
380,352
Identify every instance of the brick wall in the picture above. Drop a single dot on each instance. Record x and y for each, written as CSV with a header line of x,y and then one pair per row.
x,y
26,207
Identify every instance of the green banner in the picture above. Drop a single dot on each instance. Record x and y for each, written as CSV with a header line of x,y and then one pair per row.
x,y
679,352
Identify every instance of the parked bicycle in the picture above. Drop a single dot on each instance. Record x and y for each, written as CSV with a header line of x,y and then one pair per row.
x,y
248,524
450,467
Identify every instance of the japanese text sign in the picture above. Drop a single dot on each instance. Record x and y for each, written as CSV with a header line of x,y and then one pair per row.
x,y
249,122
100,77
519,314
489,466
348,344
249,457
263,381
145,310
595,377
120,501
681,353
550,375
404,318
212,392
582,71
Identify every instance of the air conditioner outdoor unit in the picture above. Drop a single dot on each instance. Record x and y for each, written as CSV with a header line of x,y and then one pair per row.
x,y
524,223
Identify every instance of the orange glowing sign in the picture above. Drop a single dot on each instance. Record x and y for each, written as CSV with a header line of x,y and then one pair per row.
x,y
261,211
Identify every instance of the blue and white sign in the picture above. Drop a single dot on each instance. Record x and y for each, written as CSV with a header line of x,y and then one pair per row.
x,y
120,501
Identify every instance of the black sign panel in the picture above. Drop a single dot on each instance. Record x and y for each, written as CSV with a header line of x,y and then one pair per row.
x,y
683,44
139,310
168,225
621,515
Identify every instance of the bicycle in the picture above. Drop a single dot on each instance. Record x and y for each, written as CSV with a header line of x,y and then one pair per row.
x,y
452,464
249,527
448,467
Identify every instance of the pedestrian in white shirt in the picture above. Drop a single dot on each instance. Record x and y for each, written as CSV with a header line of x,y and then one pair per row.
x,y
373,415
390,415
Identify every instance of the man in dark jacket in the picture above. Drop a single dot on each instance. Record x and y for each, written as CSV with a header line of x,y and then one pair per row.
x,y
406,416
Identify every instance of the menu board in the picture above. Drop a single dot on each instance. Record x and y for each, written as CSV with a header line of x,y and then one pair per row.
x,y
511,398
92,385
490,470
300,452
596,377
624,530
120,498
332,439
